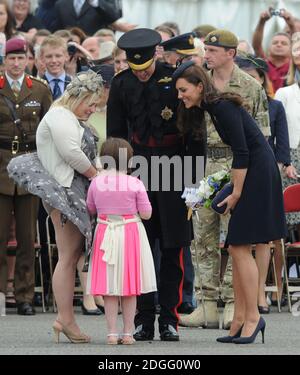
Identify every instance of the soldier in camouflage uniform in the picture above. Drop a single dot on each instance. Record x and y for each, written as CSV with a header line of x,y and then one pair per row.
x,y
227,77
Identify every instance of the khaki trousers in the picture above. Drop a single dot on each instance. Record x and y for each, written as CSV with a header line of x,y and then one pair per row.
x,y
205,248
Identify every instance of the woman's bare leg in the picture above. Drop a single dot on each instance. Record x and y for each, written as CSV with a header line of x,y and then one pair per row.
x,y
239,301
70,244
248,280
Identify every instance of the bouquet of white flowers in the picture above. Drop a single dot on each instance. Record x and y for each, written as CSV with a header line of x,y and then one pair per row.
x,y
205,193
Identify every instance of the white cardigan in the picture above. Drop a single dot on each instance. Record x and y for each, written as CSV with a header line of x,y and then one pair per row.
x,y
58,141
290,98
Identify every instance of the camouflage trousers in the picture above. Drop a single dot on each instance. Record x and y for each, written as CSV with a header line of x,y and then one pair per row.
x,y
205,249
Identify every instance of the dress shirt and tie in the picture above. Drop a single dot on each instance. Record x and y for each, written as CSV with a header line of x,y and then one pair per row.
x,y
57,84
15,84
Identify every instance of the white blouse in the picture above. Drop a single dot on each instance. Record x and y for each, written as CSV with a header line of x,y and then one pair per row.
x,y
58,141
290,98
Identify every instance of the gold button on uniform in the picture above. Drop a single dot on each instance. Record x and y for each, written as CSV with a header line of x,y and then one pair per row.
x,y
17,106
34,113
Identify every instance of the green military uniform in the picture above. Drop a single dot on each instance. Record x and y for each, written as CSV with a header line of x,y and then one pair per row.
x,y
30,105
207,224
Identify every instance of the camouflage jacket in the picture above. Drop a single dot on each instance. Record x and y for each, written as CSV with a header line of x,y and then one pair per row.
x,y
254,99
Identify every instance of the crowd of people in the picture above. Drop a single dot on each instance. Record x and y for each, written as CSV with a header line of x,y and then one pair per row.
x,y
72,97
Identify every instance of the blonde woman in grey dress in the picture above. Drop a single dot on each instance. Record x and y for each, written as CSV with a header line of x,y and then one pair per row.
x,y
59,174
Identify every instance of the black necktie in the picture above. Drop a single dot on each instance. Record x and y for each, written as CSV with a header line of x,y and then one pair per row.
x,y
56,89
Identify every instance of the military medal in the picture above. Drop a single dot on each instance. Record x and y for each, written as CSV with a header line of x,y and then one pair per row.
x,y
167,113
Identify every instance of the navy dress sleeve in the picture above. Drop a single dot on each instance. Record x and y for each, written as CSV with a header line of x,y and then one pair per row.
x,y
229,124
280,136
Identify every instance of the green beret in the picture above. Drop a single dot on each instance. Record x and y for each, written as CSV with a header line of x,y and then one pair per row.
x,y
203,30
221,38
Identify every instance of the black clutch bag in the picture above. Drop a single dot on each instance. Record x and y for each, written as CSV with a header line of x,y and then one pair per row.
x,y
222,194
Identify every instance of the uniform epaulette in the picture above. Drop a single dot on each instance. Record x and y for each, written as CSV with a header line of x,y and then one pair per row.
x,y
2,81
40,80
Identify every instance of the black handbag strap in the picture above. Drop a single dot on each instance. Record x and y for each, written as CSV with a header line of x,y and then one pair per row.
x,y
17,120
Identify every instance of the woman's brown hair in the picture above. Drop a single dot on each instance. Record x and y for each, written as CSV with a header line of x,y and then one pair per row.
x,y
120,150
192,120
9,27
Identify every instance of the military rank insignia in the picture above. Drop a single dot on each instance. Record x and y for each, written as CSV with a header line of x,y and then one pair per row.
x,y
167,113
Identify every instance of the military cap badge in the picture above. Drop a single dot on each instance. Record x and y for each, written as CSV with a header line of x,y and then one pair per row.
x,y
191,40
167,113
213,39
137,56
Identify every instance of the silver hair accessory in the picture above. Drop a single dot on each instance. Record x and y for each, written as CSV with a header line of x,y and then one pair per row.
x,y
85,82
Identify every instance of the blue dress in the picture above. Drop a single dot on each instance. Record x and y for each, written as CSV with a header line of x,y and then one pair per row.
x,y
258,216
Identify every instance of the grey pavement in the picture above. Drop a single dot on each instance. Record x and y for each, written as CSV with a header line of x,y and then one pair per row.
x,y
33,335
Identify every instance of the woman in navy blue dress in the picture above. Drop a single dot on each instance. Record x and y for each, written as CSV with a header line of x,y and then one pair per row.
x,y
279,142
256,203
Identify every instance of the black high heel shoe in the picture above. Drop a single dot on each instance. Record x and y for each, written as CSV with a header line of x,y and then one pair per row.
x,y
86,311
264,309
229,339
261,325
101,308
283,302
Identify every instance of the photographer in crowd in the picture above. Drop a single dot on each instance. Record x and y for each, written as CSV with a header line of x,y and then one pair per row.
x,y
278,57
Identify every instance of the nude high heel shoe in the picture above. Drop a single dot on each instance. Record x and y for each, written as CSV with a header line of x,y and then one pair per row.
x,y
75,338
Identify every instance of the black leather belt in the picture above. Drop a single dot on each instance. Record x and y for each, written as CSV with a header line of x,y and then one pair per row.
x,y
219,153
16,146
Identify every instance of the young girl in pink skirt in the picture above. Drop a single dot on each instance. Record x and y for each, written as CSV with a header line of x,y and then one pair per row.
x,y
121,264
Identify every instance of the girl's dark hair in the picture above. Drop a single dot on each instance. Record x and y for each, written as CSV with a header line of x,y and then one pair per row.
x,y
112,147
192,120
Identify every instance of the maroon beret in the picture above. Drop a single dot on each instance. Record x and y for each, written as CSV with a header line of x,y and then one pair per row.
x,y
16,45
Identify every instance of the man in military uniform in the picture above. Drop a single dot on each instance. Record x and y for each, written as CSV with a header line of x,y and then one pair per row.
x,y
24,100
220,51
178,48
142,108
